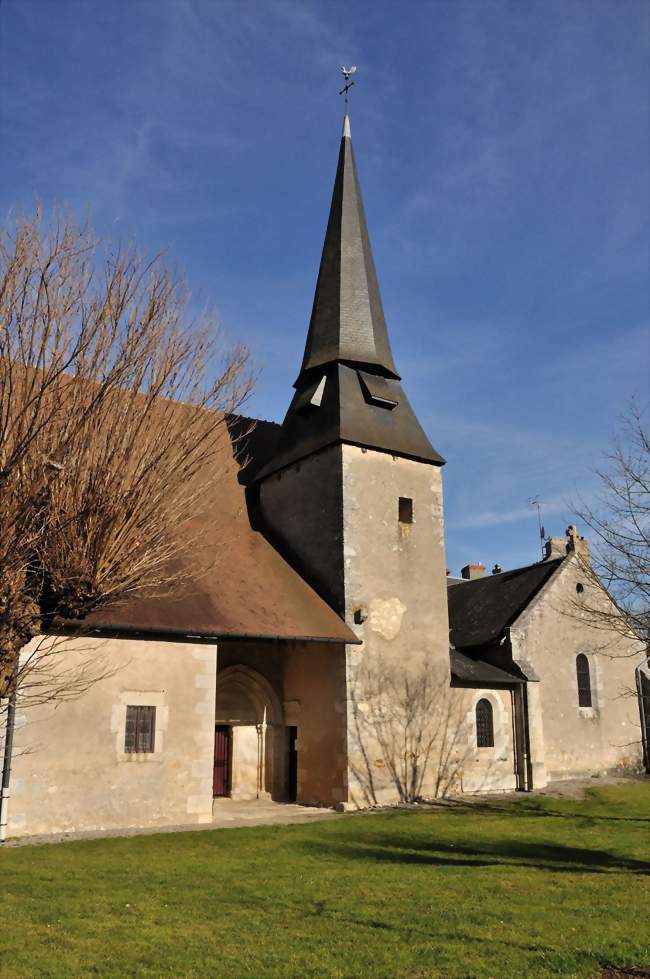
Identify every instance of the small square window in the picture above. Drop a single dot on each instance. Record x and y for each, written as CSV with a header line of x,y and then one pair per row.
x,y
140,730
405,509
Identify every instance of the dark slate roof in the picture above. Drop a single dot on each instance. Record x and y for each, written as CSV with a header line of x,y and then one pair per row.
x,y
234,584
467,669
348,389
347,320
345,414
481,609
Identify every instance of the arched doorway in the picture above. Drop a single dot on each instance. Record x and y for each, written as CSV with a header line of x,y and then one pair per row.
x,y
249,736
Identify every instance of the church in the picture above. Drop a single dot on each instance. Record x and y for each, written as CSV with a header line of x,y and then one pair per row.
x,y
266,678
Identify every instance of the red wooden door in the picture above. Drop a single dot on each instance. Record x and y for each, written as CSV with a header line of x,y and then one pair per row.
x,y
222,754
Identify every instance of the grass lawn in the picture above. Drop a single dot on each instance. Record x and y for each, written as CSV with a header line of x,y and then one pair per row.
x,y
529,887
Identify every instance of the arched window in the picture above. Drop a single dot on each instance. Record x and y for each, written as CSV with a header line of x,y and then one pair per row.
x,y
484,724
584,680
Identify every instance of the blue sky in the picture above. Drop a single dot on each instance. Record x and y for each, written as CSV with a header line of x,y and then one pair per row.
x,y
503,154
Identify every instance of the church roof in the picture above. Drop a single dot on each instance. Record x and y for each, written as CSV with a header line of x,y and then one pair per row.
x,y
347,413
481,609
348,389
235,585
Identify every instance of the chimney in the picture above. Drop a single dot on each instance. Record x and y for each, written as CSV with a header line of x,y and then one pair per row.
x,y
574,542
554,547
472,571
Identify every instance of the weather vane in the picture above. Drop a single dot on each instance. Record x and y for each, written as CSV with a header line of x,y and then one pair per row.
x,y
346,72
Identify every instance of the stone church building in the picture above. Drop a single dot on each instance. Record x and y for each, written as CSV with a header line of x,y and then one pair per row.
x,y
329,541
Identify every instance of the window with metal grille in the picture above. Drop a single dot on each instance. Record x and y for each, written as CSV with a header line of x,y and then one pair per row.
x,y
140,731
405,509
584,680
484,725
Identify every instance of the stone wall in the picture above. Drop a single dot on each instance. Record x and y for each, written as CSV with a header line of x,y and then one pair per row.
x,y
568,740
486,769
70,770
395,575
301,508
395,596
305,688
315,701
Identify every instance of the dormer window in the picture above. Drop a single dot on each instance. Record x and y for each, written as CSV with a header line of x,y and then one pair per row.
x,y
310,396
377,390
317,396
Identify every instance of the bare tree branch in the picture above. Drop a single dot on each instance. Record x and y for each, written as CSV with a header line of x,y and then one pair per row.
x,y
408,715
619,521
112,425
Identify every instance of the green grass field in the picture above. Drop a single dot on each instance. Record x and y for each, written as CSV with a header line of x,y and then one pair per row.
x,y
529,887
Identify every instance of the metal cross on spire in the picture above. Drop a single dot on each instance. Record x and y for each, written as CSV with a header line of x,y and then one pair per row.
x,y
346,72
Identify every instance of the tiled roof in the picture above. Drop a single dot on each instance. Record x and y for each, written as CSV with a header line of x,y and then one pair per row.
x,y
234,584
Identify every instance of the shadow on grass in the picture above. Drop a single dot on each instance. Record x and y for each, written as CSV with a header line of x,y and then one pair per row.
x,y
512,853
530,807
411,929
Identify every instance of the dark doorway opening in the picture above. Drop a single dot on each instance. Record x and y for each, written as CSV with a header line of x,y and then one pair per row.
x,y
292,773
222,760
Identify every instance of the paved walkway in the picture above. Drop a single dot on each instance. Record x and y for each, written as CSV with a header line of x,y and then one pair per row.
x,y
226,814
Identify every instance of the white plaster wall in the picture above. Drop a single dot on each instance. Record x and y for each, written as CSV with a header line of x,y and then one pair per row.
x,y
577,741
70,771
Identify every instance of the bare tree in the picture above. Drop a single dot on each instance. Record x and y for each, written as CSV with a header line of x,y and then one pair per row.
x,y
409,716
112,409
619,522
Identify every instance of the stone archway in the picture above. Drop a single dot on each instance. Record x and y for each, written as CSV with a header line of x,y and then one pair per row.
x,y
247,703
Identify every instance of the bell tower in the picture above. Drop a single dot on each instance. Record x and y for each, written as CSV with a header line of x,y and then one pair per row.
x,y
352,495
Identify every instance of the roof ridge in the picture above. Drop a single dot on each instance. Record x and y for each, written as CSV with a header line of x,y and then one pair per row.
x,y
546,562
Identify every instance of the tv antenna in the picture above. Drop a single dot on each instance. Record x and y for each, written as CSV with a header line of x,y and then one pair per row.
x,y
537,503
346,72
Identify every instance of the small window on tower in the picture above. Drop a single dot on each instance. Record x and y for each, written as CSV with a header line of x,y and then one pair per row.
x,y
405,509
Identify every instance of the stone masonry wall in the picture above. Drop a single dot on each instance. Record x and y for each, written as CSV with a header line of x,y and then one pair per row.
x,y
70,770
315,701
486,769
568,740
302,507
395,584
299,684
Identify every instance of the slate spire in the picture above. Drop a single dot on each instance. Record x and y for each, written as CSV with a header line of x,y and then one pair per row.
x,y
348,389
347,322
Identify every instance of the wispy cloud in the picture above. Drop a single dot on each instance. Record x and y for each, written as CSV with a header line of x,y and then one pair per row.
x,y
503,153
497,518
